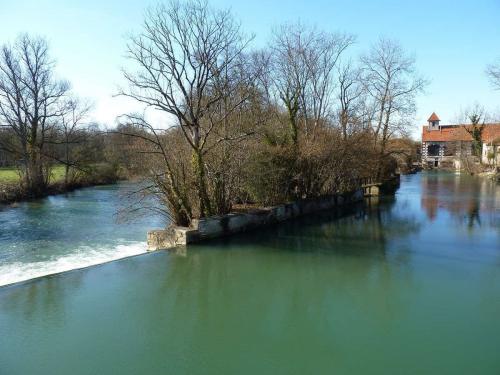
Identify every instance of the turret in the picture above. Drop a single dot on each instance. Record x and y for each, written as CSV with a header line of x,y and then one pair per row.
x,y
433,121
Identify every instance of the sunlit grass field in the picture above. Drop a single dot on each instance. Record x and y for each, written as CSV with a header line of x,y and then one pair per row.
x,y
11,175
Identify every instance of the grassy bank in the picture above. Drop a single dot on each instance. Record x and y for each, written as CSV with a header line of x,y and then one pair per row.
x,y
10,175
11,190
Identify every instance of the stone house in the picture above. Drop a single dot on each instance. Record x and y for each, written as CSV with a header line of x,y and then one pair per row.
x,y
444,146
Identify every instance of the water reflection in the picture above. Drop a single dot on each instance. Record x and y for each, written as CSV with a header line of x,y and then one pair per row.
x,y
315,261
471,201
364,229
45,298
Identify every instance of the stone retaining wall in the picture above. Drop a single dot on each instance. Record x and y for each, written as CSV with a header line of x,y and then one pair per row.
x,y
219,226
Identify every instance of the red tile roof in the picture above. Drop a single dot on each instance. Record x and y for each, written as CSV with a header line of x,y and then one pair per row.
x,y
450,133
434,117
491,132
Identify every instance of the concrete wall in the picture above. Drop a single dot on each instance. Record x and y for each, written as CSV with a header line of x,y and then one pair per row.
x,y
219,226
487,148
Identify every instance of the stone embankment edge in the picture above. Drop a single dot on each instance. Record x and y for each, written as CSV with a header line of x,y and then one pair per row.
x,y
233,223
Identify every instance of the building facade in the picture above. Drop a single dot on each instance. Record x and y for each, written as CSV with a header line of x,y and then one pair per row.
x,y
444,146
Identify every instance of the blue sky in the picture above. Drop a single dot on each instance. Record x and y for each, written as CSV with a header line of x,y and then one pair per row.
x,y
453,41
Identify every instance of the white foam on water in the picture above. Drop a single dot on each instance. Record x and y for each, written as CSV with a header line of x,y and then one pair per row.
x,y
83,257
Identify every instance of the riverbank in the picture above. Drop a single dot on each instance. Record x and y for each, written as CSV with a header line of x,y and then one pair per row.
x,y
11,191
11,194
237,222
492,174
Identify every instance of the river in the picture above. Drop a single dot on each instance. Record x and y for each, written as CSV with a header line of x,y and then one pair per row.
x,y
409,284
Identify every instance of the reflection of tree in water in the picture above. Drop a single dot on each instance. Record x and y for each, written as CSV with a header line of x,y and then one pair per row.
x,y
473,214
233,294
43,298
470,200
316,267
354,230
363,229
291,275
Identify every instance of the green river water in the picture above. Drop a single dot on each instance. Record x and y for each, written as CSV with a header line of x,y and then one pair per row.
x,y
408,285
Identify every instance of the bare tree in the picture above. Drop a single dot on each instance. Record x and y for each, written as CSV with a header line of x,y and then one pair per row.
x,y
184,56
168,185
350,91
289,73
390,77
321,58
303,68
29,106
493,72
73,114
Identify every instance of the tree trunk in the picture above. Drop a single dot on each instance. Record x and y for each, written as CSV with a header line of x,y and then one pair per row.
x,y
383,144
66,167
343,121
34,177
199,170
292,108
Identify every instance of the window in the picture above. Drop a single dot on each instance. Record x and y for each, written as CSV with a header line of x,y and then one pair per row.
x,y
433,150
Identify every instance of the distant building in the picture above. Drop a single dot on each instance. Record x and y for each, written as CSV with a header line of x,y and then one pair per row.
x,y
443,146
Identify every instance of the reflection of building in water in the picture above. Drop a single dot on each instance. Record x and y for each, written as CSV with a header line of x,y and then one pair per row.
x,y
444,145
430,204
464,197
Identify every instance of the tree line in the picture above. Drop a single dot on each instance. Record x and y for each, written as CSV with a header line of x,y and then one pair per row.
x,y
44,124
296,119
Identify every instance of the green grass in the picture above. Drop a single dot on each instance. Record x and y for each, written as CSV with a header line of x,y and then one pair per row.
x,y
57,173
10,175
